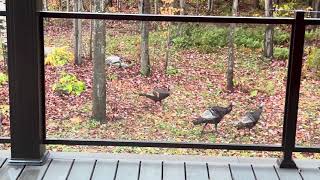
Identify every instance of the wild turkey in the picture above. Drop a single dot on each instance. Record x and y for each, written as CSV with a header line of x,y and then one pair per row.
x,y
157,95
213,115
250,119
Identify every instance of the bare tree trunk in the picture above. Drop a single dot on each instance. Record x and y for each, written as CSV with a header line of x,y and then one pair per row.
x,y
268,38
182,12
45,5
77,35
91,32
210,6
68,5
231,53
145,69
99,73
118,4
167,49
156,6
316,7
60,5
197,7
182,7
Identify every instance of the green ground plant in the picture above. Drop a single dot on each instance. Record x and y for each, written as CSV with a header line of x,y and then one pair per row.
x,y
69,84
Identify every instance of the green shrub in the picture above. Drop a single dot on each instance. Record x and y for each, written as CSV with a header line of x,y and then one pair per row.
x,y
3,79
313,60
281,53
172,70
208,38
59,57
249,37
281,37
69,84
204,38
312,35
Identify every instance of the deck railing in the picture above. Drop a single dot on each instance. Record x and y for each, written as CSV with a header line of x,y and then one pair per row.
x,y
27,92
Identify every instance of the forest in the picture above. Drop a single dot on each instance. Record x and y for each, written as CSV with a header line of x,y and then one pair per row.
x,y
173,81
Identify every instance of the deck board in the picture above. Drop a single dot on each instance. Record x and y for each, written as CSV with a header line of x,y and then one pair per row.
x,y
310,173
151,170
127,170
105,170
8,172
34,172
219,172
288,174
242,172
81,170
265,172
197,171
58,169
137,168
173,171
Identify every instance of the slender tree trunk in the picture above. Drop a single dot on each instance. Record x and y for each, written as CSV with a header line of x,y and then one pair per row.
x,y
156,6
118,4
77,35
197,7
182,4
316,7
99,73
231,53
45,5
60,5
167,49
145,61
68,5
91,32
210,6
268,38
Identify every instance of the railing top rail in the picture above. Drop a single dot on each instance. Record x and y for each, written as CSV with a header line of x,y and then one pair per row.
x,y
172,18
312,21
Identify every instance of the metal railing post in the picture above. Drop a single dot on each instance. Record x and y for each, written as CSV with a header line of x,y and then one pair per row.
x,y
25,82
293,88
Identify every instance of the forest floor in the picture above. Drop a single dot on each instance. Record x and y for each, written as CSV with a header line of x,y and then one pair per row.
x,y
198,81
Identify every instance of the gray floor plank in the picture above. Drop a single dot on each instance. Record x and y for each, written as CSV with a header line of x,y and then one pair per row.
x,y
34,172
173,171
104,170
242,172
265,172
8,172
310,173
288,174
127,170
197,171
58,169
150,170
81,170
219,172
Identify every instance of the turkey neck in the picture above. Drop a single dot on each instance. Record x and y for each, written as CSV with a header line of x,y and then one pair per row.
x,y
256,114
228,109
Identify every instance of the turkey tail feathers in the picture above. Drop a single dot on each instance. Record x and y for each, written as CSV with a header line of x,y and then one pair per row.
x,y
146,95
198,120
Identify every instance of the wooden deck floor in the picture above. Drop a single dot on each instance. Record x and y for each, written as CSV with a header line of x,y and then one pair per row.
x,y
75,166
